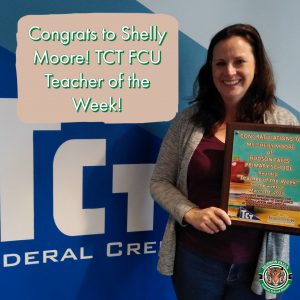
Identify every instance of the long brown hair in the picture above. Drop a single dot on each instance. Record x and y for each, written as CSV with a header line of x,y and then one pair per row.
x,y
259,97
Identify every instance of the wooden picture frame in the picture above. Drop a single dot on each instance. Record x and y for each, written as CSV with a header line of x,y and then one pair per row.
x,y
261,180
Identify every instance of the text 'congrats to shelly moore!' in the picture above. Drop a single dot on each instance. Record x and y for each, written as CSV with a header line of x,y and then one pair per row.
x,y
115,68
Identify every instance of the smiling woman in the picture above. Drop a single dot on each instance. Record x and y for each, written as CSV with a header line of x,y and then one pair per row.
x,y
208,258
236,53
233,69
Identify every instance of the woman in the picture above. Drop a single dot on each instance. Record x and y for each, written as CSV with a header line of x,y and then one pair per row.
x,y
209,258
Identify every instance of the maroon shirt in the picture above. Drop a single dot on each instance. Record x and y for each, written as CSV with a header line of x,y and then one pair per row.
x,y
204,179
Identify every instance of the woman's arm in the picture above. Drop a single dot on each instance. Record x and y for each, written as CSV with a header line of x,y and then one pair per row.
x,y
163,182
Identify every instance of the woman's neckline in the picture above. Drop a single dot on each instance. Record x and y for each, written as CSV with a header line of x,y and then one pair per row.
x,y
218,140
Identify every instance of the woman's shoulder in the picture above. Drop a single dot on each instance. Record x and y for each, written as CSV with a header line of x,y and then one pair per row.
x,y
186,114
182,125
280,115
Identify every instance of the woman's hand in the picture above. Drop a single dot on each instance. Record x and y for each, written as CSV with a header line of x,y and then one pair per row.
x,y
210,220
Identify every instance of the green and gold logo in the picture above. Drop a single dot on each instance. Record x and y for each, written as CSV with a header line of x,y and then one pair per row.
x,y
275,276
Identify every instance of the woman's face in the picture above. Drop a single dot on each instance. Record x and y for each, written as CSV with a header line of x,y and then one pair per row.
x,y
233,69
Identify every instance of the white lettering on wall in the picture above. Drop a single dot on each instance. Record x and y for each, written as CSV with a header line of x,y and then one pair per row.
x,y
134,180
17,184
16,173
69,216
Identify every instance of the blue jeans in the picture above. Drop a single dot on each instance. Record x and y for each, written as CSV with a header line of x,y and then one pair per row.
x,y
202,278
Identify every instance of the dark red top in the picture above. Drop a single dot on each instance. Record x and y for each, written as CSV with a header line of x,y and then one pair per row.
x,y
204,179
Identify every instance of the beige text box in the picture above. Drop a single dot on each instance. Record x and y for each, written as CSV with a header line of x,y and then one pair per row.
x,y
112,68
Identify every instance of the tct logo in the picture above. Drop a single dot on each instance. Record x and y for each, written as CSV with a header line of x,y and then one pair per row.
x,y
132,179
246,214
18,188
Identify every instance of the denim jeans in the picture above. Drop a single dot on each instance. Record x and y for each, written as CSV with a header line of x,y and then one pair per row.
x,y
202,278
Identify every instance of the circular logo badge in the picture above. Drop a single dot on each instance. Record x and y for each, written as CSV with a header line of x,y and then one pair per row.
x,y
275,276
